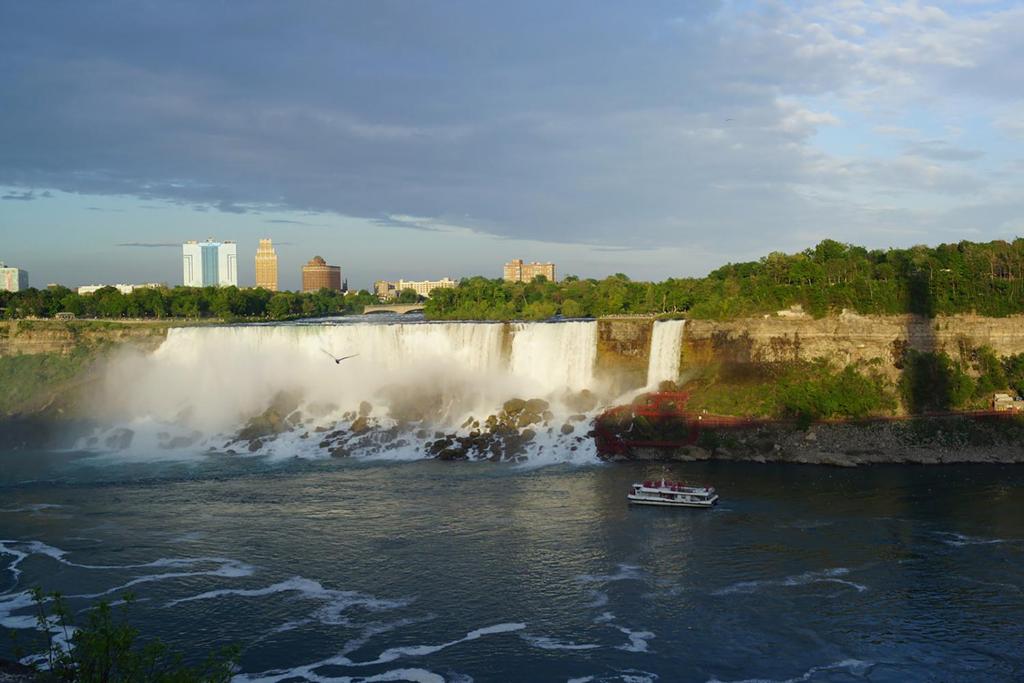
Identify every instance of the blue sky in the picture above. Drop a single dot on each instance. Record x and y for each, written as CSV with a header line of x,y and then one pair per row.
x,y
419,140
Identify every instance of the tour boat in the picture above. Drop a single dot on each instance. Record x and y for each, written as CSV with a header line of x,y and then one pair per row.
x,y
672,494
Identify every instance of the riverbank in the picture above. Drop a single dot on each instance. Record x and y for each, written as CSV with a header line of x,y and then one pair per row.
x,y
926,440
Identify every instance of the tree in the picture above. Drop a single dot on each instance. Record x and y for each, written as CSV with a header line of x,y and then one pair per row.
x,y
408,296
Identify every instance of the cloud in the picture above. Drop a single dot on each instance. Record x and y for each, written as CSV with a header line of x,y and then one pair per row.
x,y
483,117
942,151
25,196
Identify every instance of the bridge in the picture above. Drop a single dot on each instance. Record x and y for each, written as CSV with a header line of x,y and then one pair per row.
x,y
401,309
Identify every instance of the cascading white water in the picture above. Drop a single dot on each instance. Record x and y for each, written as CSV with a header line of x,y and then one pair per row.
x,y
555,355
212,381
666,350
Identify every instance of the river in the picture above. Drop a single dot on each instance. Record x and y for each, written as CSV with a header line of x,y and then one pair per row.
x,y
361,569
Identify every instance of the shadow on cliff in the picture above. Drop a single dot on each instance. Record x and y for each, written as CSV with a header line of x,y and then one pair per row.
x,y
928,376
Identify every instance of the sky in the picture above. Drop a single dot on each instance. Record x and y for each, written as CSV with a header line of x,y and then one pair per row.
x,y
429,139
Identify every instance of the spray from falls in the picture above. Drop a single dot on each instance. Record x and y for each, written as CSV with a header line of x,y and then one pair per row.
x,y
271,389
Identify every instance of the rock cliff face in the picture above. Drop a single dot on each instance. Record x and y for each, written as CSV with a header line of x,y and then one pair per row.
x,y
623,348
846,338
49,336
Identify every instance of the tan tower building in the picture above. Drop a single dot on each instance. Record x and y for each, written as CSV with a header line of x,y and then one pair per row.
x,y
266,266
317,275
517,271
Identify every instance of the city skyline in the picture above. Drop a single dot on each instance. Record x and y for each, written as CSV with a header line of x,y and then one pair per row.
x,y
662,140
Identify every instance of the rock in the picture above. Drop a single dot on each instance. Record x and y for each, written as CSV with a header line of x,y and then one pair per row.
x,y
581,402
119,439
548,416
568,428
320,430
527,434
359,425
468,422
365,408
578,417
536,405
255,445
514,405
526,419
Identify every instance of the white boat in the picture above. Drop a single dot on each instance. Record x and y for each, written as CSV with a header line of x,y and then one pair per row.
x,y
672,494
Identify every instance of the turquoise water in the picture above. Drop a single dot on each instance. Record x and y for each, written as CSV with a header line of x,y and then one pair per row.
x,y
428,571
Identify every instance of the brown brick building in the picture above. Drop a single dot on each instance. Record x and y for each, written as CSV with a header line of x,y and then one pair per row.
x,y
317,275
517,271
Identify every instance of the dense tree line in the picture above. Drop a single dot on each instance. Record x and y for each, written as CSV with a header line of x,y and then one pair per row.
x,y
182,302
987,279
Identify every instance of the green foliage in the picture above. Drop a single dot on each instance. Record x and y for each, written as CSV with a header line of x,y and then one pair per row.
x,y
822,392
106,648
226,303
802,390
408,296
24,377
987,279
932,381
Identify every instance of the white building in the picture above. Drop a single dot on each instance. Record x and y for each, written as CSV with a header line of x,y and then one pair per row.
x,y
209,263
124,289
390,289
12,279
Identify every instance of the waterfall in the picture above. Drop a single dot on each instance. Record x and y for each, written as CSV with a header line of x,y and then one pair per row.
x,y
555,356
666,350
205,387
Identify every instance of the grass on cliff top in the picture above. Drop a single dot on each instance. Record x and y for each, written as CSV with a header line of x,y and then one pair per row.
x,y
804,390
20,326
32,379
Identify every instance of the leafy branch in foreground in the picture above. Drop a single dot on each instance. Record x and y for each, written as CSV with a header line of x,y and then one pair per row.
x,y
106,648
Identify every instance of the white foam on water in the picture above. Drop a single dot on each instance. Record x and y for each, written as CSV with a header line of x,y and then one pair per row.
x,y
598,599
666,351
337,601
410,675
637,640
308,671
16,602
958,540
232,569
34,508
546,643
824,576
625,572
854,666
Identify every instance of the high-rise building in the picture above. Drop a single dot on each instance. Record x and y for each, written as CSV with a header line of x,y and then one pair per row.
x,y
390,289
12,279
266,266
209,264
317,275
517,271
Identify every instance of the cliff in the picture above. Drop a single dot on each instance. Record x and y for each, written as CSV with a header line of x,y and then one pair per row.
x,y
21,337
846,338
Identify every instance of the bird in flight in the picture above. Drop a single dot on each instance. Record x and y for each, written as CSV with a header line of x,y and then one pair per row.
x,y
338,360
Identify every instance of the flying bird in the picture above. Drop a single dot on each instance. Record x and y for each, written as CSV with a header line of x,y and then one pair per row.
x,y
338,360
